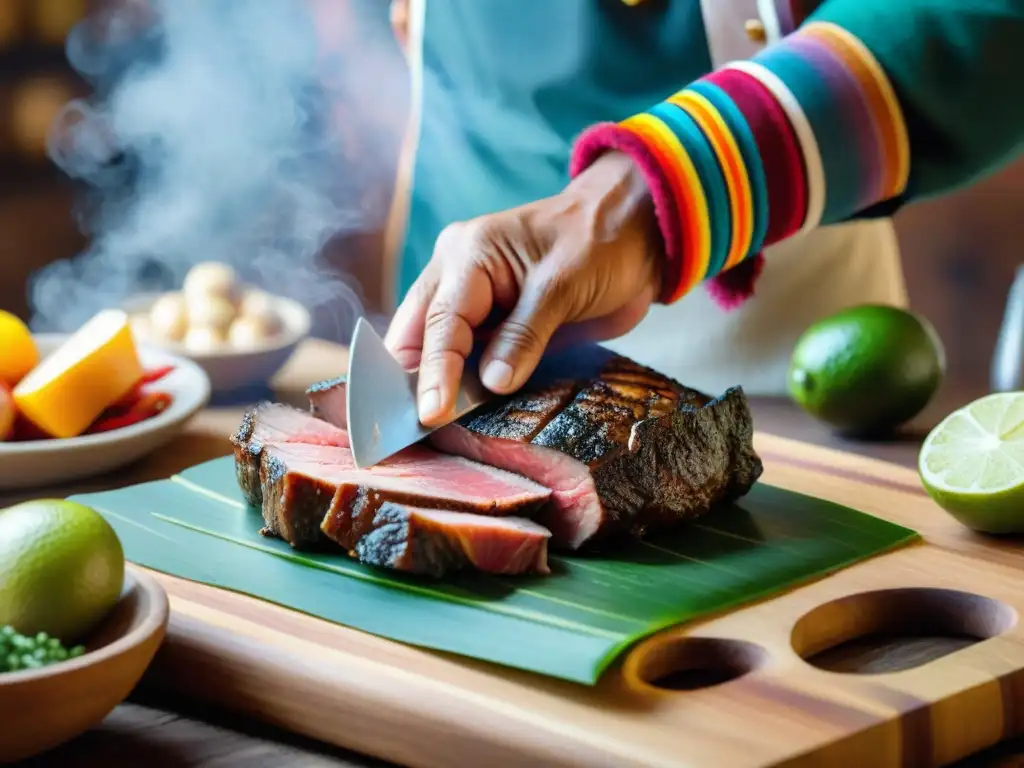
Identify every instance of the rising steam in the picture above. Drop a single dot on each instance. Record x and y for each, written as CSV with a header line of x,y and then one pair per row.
x,y
228,130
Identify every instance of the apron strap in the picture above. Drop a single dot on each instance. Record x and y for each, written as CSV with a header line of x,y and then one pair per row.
x,y
394,227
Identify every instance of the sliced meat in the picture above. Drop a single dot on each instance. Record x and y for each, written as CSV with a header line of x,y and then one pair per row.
x,y
624,449
433,542
298,484
276,423
328,401
303,483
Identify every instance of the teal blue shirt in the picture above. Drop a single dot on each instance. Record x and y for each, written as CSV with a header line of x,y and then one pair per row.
x,y
508,85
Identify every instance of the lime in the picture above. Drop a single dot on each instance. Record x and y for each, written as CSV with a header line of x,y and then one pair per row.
x,y
972,464
61,568
867,369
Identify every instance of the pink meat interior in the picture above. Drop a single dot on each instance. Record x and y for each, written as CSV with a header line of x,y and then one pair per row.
x,y
575,511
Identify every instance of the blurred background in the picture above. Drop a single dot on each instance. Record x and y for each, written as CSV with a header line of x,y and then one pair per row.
x,y
959,253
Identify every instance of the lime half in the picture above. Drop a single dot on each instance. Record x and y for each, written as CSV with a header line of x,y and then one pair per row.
x,y
972,463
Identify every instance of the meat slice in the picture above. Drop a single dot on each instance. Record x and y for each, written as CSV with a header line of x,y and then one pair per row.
x,y
624,449
328,401
303,483
276,423
433,542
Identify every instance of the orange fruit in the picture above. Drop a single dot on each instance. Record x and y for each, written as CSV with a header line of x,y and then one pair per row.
x,y
8,413
18,352
92,369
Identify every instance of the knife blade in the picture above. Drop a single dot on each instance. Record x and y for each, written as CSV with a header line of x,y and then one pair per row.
x,y
381,399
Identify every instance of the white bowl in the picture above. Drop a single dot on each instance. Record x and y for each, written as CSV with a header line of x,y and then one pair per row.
x,y
51,462
232,369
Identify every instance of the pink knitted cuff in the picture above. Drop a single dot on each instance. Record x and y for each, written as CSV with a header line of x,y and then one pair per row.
x,y
733,287
728,289
606,137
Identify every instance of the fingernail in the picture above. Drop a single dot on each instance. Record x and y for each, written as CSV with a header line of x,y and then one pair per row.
x,y
497,375
430,403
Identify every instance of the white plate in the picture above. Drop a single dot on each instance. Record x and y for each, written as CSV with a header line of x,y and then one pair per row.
x,y
51,462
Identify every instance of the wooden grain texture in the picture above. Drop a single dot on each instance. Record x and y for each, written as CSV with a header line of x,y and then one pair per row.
x,y
45,707
308,676
161,729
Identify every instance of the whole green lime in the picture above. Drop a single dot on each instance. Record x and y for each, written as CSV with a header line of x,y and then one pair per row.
x,y
868,369
61,568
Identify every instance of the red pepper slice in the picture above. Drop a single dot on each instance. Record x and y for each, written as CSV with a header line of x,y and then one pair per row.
x,y
155,374
148,406
132,396
26,431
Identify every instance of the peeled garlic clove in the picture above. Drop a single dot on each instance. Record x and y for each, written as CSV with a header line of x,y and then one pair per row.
x,y
260,306
256,303
249,333
211,279
168,317
204,339
210,312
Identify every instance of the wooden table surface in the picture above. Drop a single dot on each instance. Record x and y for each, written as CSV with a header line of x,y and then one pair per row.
x,y
154,731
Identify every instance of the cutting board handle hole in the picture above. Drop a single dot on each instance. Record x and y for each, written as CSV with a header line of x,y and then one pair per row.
x,y
849,634
676,663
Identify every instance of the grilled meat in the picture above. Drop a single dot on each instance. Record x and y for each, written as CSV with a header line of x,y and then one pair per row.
x,y
303,483
624,449
433,542
275,423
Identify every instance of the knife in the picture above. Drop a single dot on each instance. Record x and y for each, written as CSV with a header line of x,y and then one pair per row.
x,y
381,399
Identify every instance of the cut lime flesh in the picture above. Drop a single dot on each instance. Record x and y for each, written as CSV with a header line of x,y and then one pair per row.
x,y
972,463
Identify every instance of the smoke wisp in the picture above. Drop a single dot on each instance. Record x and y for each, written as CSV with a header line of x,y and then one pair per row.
x,y
226,130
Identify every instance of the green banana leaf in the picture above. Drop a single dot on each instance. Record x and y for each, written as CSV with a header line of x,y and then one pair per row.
x,y
570,625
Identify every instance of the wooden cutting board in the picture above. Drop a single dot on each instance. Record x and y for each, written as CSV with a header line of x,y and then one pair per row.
x,y
420,708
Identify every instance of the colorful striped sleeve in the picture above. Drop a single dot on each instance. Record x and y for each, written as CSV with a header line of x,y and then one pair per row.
x,y
811,131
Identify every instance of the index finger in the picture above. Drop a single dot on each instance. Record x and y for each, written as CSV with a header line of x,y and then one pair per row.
x,y
462,301
404,338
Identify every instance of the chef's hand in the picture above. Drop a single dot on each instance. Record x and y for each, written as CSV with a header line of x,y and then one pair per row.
x,y
584,263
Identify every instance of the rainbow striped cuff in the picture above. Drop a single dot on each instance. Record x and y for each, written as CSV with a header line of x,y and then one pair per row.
x,y
807,133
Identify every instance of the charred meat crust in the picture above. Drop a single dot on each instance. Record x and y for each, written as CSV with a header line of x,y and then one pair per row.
x,y
676,467
394,540
247,456
293,506
433,542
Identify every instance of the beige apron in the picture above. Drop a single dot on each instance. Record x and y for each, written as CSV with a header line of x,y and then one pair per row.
x,y
805,278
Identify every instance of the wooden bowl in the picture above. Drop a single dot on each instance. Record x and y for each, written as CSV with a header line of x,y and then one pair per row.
x,y
43,708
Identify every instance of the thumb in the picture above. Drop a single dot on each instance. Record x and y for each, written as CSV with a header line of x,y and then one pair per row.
x,y
517,345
